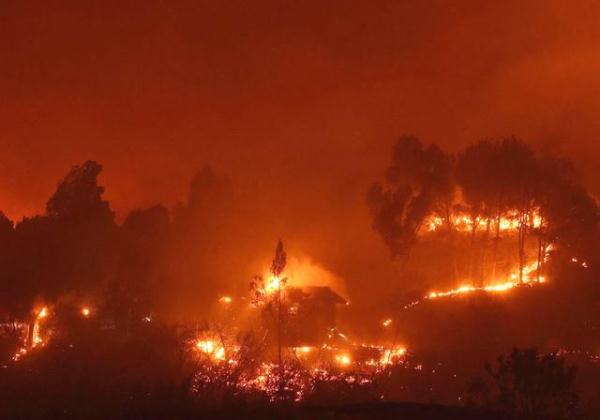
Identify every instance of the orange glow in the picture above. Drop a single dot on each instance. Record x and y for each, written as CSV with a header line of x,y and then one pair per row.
x,y
86,312
387,322
43,313
273,284
304,349
211,348
389,356
343,359
36,334
465,223
225,299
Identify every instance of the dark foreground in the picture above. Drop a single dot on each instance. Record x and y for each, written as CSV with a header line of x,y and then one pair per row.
x,y
359,411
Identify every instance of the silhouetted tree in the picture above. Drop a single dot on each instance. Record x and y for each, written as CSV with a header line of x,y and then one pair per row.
x,y
10,295
520,168
531,385
479,174
71,248
140,279
78,196
417,182
201,230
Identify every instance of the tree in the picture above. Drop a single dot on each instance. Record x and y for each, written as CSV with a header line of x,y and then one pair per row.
x,y
200,242
70,249
417,182
9,283
140,279
78,196
520,169
479,174
270,293
531,385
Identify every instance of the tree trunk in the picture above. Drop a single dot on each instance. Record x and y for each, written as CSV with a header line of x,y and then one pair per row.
x,y
541,248
496,242
279,344
475,222
522,233
485,257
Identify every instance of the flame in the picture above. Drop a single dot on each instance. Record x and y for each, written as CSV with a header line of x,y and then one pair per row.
x,y
343,359
465,223
225,299
207,346
304,349
389,356
273,284
36,334
211,348
43,313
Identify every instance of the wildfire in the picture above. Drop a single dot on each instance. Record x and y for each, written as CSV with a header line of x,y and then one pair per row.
x,y
36,334
225,300
493,288
343,359
465,223
273,285
388,357
303,350
43,313
211,348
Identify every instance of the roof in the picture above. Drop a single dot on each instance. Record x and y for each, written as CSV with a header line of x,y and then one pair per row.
x,y
324,293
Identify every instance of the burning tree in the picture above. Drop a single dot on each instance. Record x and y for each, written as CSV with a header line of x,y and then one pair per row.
x,y
270,293
417,182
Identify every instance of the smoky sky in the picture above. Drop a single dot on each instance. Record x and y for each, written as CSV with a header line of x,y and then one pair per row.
x,y
298,102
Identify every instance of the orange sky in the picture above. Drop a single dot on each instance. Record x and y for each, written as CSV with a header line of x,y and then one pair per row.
x,y
303,96
299,102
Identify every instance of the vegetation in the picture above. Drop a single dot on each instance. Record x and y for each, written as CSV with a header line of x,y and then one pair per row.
x,y
528,385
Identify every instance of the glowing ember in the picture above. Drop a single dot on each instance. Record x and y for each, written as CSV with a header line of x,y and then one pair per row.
x,y
387,322
86,312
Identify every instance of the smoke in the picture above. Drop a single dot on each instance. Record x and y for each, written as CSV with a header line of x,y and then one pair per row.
x,y
302,272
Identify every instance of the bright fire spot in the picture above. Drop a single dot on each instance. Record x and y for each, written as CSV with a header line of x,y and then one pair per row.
x,y
343,359
43,313
465,223
225,299
387,322
85,311
36,334
389,356
211,348
304,349
273,284
207,346
529,278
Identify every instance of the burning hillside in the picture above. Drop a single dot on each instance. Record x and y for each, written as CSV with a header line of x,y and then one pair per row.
x,y
463,260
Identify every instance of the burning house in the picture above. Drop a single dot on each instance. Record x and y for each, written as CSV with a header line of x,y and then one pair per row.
x,y
313,313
